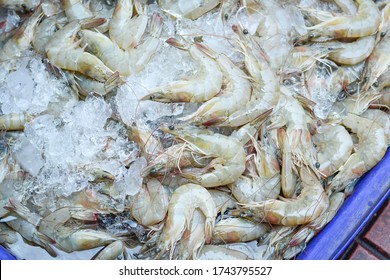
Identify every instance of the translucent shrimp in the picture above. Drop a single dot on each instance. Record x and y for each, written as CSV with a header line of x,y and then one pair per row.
x,y
21,40
150,205
265,95
30,233
193,238
234,97
20,5
376,64
67,238
125,62
188,9
371,149
182,205
263,179
364,23
202,86
125,29
334,145
233,230
63,52
43,32
14,121
76,10
353,52
86,86
308,206
215,252
228,156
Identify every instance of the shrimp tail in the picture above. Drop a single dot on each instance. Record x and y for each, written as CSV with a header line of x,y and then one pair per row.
x,y
206,50
175,43
156,25
92,23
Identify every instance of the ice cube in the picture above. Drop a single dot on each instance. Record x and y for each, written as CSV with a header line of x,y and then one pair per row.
x,y
28,156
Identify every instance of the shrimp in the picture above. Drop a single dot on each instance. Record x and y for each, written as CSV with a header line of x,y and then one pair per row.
x,y
63,52
351,53
125,29
14,121
364,23
21,40
265,95
42,35
188,9
202,86
20,5
371,149
67,238
227,153
30,233
193,238
112,251
86,86
310,204
376,64
4,155
7,235
185,199
125,62
102,9
380,117
293,116
235,95
150,205
263,182
215,252
232,230
334,145
306,232
76,10
228,7
149,144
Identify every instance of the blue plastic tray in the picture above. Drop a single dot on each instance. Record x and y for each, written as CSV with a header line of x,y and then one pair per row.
x,y
369,194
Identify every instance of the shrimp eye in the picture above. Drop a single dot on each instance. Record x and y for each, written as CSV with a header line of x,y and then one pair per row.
x,y
152,170
341,95
311,36
365,79
383,34
24,7
330,49
151,97
376,84
171,127
317,165
245,31
226,16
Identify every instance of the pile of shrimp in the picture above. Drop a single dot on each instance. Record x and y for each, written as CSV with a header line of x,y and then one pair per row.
x,y
255,171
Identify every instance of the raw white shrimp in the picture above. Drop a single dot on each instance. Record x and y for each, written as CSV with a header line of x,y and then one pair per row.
x,y
76,10
63,52
376,64
228,155
353,52
202,86
21,40
125,62
371,149
193,238
150,205
7,235
263,180
86,86
185,199
43,32
265,95
67,238
235,95
233,230
30,233
125,29
148,143
215,252
334,145
364,23
223,200
14,121
310,204
188,9
380,117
